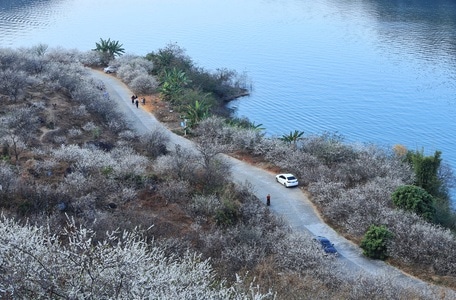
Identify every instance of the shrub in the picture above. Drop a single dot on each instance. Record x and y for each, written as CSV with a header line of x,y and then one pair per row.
x,y
154,142
227,215
12,83
415,199
172,56
91,58
174,191
181,163
128,73
374,243
329,149
206,205
224,83
134,61
8,181
426,170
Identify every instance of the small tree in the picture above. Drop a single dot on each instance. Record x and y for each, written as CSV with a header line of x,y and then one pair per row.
x,y
144,84
426,170
197,112
292,138
415,199
154,142
172,56
173,83
8,182
12,83
375,242
109,49
228,215
18,129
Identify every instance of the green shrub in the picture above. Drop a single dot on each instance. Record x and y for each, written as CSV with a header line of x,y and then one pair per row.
x,y
375,242
415,199
96,133
227,215
107,171
426,171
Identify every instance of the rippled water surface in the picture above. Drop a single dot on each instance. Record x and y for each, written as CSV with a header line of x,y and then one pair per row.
x,y
372,70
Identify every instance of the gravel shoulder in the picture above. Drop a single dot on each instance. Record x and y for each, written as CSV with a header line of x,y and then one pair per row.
x,y
291,204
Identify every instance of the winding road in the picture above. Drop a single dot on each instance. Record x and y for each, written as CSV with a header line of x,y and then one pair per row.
x,y
291,204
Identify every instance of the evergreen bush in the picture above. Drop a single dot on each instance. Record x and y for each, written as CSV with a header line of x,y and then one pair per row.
x,y
374,243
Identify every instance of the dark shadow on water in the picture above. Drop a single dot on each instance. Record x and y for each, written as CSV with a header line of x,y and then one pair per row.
x,y
11,5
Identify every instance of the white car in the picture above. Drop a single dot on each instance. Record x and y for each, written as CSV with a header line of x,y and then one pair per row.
x,y
287,180
110,69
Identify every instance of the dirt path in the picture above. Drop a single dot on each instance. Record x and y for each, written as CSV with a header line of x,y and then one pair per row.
x,y
291,204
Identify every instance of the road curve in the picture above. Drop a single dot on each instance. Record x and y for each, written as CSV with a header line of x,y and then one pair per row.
x,y
289,203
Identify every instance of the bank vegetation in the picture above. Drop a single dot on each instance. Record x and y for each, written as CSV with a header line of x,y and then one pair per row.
x,y
90,209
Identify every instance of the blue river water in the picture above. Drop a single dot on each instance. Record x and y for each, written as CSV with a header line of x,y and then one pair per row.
x,y
375,71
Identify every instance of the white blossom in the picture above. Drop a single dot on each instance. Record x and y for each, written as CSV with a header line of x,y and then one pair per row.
x,y
36,264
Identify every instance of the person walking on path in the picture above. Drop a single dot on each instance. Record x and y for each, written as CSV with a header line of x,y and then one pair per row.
x,y
136,102
133,99
268,200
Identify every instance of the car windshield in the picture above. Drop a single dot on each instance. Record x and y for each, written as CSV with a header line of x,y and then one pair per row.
x,y
291,178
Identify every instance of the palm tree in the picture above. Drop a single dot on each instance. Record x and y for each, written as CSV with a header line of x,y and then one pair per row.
x,y
109,49
244,123
292,137
256,126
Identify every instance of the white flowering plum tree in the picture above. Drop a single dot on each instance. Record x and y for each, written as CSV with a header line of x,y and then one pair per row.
x,y
144,84
12,83
35,264
155,142
136,72
8,181
181,163
17,129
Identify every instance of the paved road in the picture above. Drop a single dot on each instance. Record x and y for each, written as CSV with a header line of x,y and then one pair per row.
x,y
291,204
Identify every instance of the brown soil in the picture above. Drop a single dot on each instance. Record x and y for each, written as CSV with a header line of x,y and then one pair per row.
x,y
162,111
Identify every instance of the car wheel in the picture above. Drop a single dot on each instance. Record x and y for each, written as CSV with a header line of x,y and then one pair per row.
x,y
284,184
